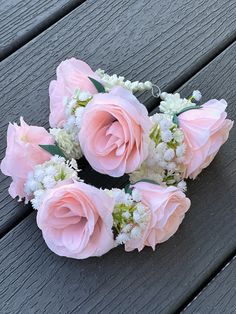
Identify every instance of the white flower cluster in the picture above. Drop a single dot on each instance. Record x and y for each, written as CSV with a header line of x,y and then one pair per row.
x,y
68,137
172,103
130,216
114,80
74,110
164,164
47,175
67,142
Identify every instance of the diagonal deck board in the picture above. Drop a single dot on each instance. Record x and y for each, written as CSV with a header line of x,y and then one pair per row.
x,y
22,20
161,281
169,46
219,296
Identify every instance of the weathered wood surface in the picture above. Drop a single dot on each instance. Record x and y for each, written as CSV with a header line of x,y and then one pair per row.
x,y
175,39
36,280
23,20
219,296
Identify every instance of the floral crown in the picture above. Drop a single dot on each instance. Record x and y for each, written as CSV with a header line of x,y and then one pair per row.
x,y
97,115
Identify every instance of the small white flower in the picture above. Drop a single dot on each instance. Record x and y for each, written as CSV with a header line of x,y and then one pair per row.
x,y
110,81
39,193
32,185
136,216
70,123
78,114
39,174
128,199
141,208
119,196
165,124
50,171
84,96
171,166
135,233
182,186
57,159
126,215
49,182
136,195
169,154
197,95
163,164
161,148
122,238
180,151
156,118
126,228
166,136
178,135
172,103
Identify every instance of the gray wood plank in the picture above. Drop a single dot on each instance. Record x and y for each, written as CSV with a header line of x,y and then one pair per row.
x,y
219,296
23,20
154,40
35,280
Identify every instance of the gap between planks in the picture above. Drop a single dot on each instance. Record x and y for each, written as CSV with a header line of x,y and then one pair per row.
x,y
187,303
38,29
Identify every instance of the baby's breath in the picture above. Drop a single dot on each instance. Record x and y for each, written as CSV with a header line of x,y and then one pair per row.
x,y
47,175
164,164
130,215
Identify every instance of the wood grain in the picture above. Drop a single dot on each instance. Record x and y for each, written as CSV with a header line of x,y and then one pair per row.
x,y
23,20
162,41
219,296
35,280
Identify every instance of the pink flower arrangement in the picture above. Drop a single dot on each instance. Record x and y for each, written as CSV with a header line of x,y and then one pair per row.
x,y
117,142
103,119
23,154
205,131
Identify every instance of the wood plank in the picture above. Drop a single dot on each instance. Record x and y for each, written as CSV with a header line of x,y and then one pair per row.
x,y
169,47
119,282
23,20
219,296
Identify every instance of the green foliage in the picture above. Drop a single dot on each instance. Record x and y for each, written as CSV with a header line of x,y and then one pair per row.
x,y
100,88
53,150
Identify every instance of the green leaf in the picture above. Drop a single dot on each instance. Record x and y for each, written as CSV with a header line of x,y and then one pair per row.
x,y
175,116
188,108
175,120
128,189
100,88
148,181
53,150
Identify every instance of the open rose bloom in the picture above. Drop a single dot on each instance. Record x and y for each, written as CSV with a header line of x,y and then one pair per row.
x,y
71,74
23,153
167,206
205,131
115,132
76,220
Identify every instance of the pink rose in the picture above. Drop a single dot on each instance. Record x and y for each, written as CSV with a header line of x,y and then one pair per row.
x,y
167,209
205,131
114,132
71,74
23,154
76,220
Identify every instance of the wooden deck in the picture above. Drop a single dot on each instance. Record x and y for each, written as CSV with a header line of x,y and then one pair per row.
x,y
180,45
